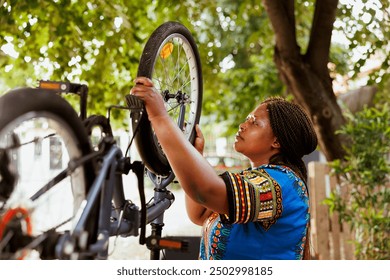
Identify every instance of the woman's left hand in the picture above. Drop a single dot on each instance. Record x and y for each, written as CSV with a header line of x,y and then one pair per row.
x,y
199,140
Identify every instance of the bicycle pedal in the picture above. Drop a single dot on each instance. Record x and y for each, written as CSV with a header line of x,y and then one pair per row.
x,y
134,103
155,242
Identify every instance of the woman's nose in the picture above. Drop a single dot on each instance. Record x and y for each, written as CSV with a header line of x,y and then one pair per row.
x,y
242,126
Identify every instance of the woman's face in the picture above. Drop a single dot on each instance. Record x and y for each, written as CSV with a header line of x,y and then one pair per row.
x,y
255,138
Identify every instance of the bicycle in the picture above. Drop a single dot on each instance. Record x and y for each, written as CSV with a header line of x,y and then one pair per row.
x,y
71,214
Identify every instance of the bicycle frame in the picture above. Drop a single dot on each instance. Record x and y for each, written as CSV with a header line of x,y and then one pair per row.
x,y
116,215
108,187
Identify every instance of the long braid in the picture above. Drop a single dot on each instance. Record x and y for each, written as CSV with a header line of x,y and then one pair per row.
x,y
296,136
295,133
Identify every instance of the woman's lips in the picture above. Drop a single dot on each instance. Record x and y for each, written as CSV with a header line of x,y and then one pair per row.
x,y
238,137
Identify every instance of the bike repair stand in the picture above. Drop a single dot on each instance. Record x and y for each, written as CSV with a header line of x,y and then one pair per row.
x,y
155,242
161,195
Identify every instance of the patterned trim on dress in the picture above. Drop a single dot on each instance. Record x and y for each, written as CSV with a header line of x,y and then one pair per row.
x,y
215,237
270,198
299,185
300,247
256,197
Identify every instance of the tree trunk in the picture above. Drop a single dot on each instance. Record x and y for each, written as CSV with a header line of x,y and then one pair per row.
x,y
320,103
306,75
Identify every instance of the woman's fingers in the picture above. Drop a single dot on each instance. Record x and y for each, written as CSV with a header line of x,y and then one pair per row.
x,y
143,81
199,140
145,90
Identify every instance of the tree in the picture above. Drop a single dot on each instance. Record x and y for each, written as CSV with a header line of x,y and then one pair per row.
x,y
305,57
307,75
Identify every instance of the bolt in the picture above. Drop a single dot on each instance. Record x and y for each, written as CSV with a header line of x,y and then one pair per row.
x,y
68,248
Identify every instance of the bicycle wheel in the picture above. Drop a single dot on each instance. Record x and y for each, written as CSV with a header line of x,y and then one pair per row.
x,y
171,59
97,127
39,134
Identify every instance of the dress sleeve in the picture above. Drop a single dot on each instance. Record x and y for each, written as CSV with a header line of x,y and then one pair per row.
x,y
253,197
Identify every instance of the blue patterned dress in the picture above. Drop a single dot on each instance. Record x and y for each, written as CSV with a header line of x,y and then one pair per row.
x,y
268,217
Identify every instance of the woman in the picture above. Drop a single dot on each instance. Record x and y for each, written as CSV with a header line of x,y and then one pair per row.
x,y
260,213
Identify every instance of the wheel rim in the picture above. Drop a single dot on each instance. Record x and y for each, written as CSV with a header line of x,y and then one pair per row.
x,y
38,162
176,53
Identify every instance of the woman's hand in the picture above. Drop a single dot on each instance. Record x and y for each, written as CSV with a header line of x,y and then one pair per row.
x,y
154,103
199,140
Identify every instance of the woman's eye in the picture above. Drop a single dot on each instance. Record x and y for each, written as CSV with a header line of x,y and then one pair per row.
x,y
251,119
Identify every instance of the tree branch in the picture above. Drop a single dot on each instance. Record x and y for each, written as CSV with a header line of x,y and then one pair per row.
x,y
320,38
281,15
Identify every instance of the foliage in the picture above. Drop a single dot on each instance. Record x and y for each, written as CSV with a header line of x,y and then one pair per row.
x,y
58,39
99,43
363,197
365,26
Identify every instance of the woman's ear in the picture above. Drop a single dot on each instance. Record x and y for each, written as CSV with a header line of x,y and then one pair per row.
x,y
276,144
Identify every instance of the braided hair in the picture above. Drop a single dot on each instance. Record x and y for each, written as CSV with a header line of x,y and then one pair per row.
x,y
294,132
296,136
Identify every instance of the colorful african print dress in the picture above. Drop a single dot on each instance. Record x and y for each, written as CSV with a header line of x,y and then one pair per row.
x,y
268,217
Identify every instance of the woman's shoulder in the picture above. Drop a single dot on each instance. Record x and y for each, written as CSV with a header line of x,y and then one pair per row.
x,y
279,175
278,171
285,176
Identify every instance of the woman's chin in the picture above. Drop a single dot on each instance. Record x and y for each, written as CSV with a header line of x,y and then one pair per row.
x,y
236,147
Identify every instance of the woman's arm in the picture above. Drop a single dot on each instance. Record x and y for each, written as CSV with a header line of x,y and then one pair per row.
x,y
195,211
195,175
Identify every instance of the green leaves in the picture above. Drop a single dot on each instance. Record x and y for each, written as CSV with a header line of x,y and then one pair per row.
x,y
365,24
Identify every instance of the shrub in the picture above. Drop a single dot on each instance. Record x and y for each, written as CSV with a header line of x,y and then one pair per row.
x,y
362,197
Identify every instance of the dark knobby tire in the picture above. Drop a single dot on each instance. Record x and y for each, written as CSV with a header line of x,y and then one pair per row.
x,y
171,59
97,127
40,133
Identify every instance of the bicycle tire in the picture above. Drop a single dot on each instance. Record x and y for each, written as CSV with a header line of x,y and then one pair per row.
x,y
170,43
99,123
33,106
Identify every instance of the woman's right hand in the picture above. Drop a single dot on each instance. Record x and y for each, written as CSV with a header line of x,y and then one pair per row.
x,y
154,103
